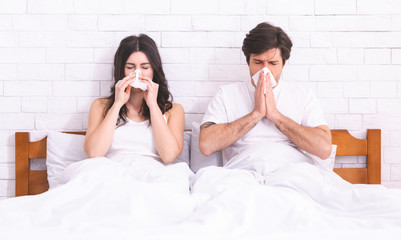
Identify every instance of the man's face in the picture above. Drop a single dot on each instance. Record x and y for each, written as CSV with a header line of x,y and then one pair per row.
x,y
270,59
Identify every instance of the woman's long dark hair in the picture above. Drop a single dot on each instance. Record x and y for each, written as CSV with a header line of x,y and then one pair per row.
x,y
145,44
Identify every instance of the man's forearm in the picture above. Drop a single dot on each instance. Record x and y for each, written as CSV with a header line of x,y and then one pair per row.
x,y
215,137
315,140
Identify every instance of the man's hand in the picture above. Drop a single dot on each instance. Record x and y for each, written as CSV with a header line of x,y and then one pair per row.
x,y
260,97
271,110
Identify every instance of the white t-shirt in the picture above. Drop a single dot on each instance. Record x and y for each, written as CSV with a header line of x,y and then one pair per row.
x,y
234,101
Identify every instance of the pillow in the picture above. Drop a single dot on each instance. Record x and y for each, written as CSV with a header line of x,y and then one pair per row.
x,y
62,150
327,164
186,150
198,160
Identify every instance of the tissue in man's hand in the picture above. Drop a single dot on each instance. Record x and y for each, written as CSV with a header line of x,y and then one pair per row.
x,y
265,70
137,82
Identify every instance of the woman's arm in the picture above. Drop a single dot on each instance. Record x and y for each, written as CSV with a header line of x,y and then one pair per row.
x,y
169,138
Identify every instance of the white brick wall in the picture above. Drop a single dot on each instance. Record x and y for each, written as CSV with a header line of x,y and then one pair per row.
x,y
56,57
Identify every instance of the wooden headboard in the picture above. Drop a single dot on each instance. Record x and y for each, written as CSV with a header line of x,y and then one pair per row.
x,y
30,182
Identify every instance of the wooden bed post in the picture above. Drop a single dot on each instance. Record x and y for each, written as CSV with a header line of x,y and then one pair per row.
x,y
21,163
374,156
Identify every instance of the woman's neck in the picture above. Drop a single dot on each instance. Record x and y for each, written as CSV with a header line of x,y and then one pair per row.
x,y
134,105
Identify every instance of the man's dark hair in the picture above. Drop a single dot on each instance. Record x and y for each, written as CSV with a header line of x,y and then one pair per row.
x,y
265,37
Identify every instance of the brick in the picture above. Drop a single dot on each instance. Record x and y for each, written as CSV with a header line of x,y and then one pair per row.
x,y
249,22
119,36
58,121
396,56
41,72
386,172
10,104
383,89
335,7
353,23
8,39
377,56
104,55
145,7
184,39
22,55
194,7
389,106
13,7
396,172
8,72
362,106
5,138
207,89
84,103
388,39
1,88
42,39
357,89
180,72
76,88
348,121
6,23
34,104
215,23
121,23
83,23
330,73
168,23
242,7
27,22
227,56
306,7
330,89
300,39
395,139
98,7
220,39
295,73
174,55
16,121
385,139
353,39
239,39
50,6
375,73
7,171
321,39
203,103
228,72
351,56
396,22
69,55
55,23
90,39
7,154
334,105
201,55
181,88
302,23
88,72
7,188
27,88
392,154
385,7
386,122
62,105
190,104
313,56
105,87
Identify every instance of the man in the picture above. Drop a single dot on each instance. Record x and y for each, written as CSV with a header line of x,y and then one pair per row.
x,y
244,114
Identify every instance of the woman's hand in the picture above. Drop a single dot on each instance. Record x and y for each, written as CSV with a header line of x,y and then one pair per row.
x,y
151,93
122,90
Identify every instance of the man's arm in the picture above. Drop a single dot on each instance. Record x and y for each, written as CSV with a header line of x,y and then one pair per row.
x,y
315,140
214,137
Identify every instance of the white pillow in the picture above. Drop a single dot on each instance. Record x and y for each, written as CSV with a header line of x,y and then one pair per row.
x,y
186,150
62,150
198,160
327,164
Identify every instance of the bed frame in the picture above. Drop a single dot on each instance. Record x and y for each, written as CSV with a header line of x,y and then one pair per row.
x,y
30,182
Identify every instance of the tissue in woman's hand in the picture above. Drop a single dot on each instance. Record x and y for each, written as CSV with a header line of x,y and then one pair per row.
x,y
265,70
137,82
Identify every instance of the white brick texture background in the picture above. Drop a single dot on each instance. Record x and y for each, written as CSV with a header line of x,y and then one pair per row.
x,y
56,57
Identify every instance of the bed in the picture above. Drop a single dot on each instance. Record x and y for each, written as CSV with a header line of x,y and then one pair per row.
x,y
30,182
102,198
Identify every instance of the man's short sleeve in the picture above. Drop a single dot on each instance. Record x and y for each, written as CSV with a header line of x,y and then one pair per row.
x,y
313,115
216,111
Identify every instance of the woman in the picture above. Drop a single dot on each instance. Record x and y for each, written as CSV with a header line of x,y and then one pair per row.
x,y
131,120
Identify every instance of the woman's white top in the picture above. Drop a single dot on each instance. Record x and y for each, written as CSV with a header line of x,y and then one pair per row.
x,y
134,138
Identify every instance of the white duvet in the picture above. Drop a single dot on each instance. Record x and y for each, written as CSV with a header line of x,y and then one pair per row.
x,y
260,194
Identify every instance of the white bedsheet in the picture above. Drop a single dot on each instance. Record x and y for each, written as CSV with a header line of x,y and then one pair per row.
x,y
142,199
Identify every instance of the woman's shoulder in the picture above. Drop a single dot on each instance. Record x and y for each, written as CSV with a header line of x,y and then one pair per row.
x,y
176,109
99,104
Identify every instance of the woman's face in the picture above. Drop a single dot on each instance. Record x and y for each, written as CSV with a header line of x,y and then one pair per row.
x,y
138,60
